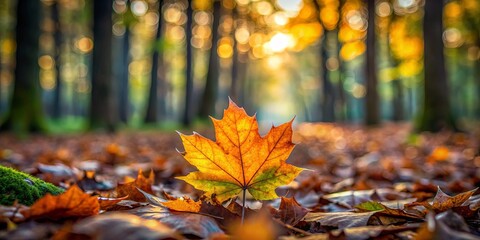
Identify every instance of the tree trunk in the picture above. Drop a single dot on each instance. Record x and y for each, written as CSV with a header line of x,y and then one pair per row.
x,y
188,111
156,74
124,105
372,113
207,107
103,112
398,114
328,99
26,112
436,113
57,98
477,77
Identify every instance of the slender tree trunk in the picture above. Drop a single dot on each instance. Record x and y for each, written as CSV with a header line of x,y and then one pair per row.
x,y
239,74
26,111
188,111
57,98
372,110
436,113
398,113
328,99
207,107
156,74
234,87
124,106
103,111
477,77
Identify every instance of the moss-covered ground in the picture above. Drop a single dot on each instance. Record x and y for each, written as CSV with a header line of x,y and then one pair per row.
x,y
15,185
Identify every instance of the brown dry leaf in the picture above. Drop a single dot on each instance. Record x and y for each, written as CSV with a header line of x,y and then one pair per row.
x,y
187,205
290,212
447,225
340,219
130,189
374,232
73,203
107,203
352,198
443,202
188,224
383,211
123,226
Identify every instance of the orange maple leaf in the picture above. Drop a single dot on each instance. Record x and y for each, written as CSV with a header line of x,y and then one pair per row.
x,y
240,159
73,203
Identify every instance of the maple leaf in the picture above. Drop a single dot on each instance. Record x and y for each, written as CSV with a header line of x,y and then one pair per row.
x,y
240,159
73,203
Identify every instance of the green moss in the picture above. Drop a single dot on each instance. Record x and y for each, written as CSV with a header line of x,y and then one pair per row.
x,y
15,185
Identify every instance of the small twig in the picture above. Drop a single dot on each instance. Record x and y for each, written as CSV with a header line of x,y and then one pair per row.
x,y
298,230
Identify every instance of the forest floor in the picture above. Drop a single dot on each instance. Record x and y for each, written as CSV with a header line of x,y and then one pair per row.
x,y
382,183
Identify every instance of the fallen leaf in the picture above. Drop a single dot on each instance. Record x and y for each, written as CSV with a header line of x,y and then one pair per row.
x,y
290,212
131,188
107,203
73,203
445,226
340,219
188,205
240,159
442,201
352,198
89,182
183,205
373,232
188,224
123,226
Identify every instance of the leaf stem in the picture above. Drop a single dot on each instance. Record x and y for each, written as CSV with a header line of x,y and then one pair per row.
x,y
243,205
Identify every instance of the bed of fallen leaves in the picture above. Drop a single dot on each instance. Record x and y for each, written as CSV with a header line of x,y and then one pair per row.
x,y
381,183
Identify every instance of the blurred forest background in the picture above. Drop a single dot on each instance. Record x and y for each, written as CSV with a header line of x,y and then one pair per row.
x,y
104,64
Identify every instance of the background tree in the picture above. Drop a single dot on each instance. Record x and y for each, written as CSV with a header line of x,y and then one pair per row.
x,y
26,111
188,110
209,98
103,113
156,75
123,88
436,114
372,108
57,97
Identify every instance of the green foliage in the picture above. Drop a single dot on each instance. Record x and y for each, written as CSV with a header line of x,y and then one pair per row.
x,y
15,185
370,206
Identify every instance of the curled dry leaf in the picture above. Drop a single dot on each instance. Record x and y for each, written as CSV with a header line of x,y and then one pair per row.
x,y
240,159
442,201
107,203
131,188
290,212
187,205
73,203
340,219
123,226
188,224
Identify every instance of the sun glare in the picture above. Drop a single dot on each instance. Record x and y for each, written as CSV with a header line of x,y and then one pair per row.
x,y
280,42
290,5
